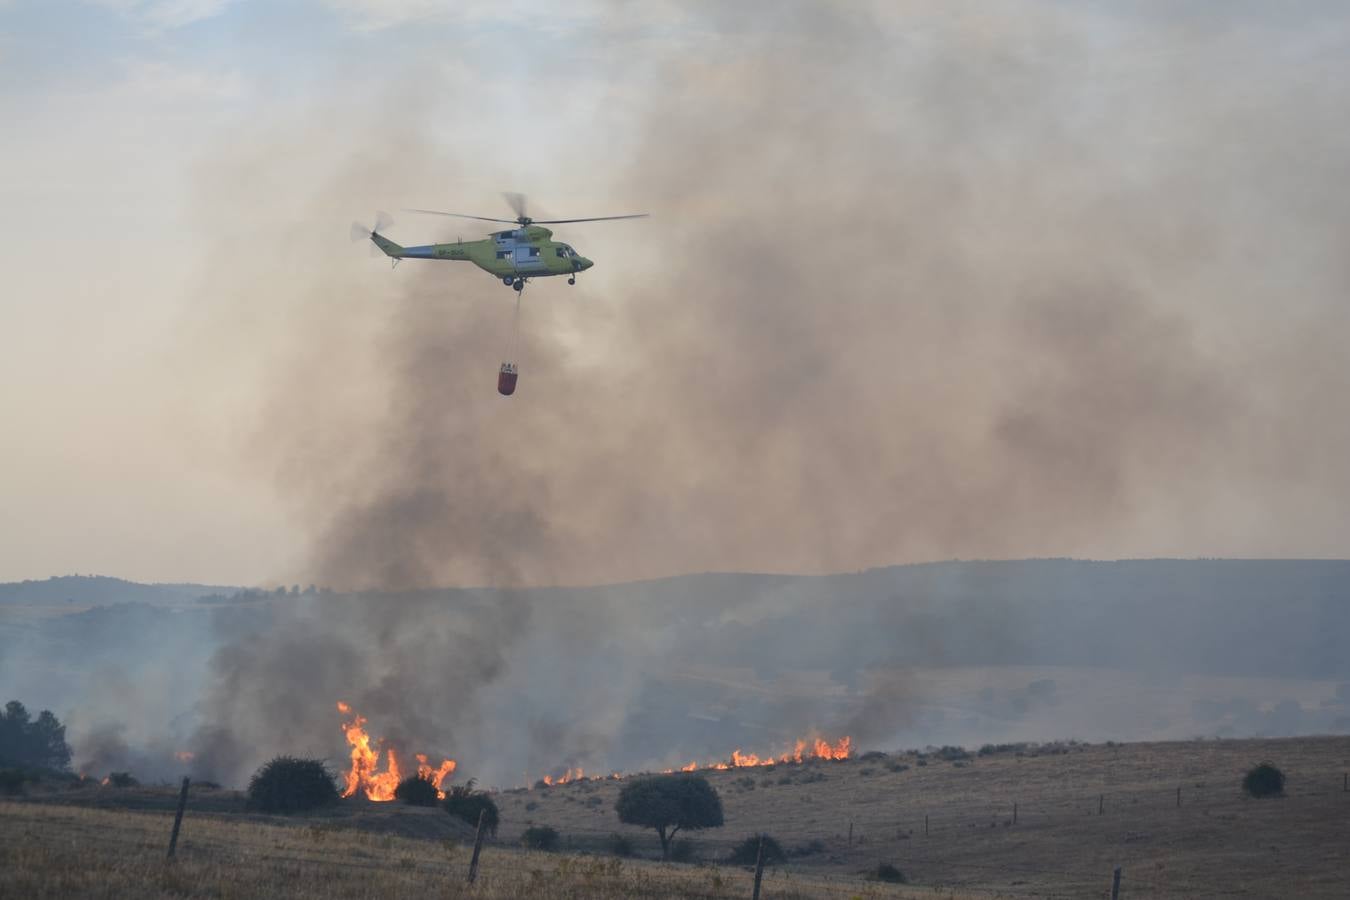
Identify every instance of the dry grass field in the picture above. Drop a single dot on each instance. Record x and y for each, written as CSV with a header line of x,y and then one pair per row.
x,y
56,850
1217,843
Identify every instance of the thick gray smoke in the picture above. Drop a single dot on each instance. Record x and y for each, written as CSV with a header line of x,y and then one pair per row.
x,y
924,281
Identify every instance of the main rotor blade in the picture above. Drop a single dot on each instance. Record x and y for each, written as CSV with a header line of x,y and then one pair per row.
x,y
592,219
436,212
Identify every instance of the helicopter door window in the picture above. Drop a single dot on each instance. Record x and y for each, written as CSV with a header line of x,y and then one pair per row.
x,y
503,254
534,251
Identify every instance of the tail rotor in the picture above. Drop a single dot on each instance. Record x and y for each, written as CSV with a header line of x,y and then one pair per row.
x,y
362,232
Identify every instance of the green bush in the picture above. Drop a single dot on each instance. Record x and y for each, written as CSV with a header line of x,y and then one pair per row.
x,y
1264,780
122,780
540,837
26,742
463,802
888,872
620,845
813,846
417,791
287,784
683,851
746,852
11,781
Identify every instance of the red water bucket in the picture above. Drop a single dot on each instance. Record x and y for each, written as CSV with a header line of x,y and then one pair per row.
x,y
506,379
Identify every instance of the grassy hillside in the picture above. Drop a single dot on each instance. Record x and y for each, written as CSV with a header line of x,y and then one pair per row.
x,y
1217,843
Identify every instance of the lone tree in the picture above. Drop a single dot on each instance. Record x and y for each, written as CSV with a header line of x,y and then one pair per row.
x,y
36,744
670,803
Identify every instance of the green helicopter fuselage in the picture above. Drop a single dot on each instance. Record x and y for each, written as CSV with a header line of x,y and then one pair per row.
x,y
512,255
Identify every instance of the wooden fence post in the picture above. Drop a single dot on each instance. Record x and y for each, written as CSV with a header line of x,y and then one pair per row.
x,y
1115,885
1345,782
925,824
477,847
1101,801
759,866
178,817
1178,796
1014,812
850,832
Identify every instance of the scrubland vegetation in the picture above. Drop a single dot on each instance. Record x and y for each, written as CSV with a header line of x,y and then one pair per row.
x,y
880,826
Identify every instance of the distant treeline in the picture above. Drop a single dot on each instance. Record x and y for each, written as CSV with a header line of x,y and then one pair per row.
x,y
99,590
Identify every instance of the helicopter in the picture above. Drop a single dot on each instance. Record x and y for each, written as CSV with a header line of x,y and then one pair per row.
x,y
514,255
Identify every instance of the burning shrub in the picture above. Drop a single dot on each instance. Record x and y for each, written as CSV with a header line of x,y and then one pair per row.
x,y
888,872
463,802
122,780
747,851
417,791
287,784
540,837
669,803
1264,780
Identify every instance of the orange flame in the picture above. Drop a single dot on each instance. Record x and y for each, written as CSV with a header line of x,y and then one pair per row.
x,y
816,748
802,750
364,775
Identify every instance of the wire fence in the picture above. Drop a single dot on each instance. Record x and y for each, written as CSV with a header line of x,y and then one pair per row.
x,y
979,842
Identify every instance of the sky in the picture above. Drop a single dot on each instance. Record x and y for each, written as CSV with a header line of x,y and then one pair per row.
x,y
923,280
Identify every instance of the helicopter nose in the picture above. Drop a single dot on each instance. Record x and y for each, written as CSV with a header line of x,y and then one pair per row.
x,y
583,263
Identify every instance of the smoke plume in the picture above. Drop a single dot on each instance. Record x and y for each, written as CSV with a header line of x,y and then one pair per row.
x,y
923,281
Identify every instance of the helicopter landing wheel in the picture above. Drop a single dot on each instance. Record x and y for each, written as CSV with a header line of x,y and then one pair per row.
x,y
519,285
507,281
572,280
